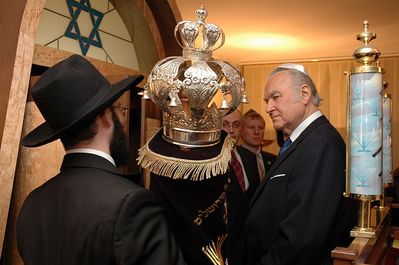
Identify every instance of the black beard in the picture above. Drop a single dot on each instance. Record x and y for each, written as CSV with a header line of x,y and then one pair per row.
x,y
119,146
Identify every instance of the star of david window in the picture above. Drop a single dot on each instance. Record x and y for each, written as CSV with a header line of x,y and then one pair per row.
x,y
80,8
91,28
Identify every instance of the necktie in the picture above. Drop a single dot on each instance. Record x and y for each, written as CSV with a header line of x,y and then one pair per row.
x,y
261,166
235,164
285,146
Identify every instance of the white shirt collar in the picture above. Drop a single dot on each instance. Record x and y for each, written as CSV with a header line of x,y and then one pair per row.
x,y
93,152
295,134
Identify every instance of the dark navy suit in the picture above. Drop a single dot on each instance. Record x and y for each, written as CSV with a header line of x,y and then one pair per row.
x,y
238,201
298,215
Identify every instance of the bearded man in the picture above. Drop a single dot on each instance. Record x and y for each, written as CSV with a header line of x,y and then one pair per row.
x,y
90,213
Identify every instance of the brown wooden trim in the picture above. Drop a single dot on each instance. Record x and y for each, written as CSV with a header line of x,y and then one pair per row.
x,y
175,10
9,29
152,24
23,15
166,22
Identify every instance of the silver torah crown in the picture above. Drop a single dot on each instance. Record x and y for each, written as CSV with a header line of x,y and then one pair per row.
x,y
184,87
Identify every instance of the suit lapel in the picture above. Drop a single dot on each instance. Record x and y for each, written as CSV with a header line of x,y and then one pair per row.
x,y
250,165
268,162
319,121
275,165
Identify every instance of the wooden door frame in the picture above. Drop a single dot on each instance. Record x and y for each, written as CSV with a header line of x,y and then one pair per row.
x,y
15,80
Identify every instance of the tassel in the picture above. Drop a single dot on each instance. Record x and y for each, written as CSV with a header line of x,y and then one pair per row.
x,y
214,252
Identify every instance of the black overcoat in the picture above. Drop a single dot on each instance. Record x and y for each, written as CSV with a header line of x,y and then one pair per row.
x,y
91,214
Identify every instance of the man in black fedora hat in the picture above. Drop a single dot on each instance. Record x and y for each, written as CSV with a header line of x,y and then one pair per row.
x,y
89,213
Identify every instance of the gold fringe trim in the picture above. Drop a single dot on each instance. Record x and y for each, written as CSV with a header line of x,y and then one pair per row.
x,y
214,251
177,168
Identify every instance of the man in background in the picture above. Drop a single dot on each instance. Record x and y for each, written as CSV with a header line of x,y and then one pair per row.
x,y
90,213
231,123
298,215
252,135
250,129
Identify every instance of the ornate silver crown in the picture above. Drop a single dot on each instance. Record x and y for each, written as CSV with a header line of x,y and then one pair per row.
x,y
186,88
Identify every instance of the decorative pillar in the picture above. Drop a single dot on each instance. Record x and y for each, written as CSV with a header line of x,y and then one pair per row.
x,y
364,135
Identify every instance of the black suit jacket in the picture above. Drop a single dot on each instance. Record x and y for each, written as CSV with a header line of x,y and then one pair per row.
x,y
296,215
90,214
238,201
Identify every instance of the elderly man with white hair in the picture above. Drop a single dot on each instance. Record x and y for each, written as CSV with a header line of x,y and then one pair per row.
x,y
298,215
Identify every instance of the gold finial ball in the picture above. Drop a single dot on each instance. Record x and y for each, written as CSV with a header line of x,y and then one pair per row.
x,y
366,54
201,13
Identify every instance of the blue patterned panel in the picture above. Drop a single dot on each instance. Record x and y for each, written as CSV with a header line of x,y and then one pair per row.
x,y
366,138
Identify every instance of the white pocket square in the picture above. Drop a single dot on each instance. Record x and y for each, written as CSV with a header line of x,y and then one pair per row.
x,y
278,176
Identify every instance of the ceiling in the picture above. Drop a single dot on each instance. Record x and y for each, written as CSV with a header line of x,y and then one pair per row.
x,y
305,30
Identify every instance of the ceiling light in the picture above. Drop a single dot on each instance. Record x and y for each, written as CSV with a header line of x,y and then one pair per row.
x,y
258,41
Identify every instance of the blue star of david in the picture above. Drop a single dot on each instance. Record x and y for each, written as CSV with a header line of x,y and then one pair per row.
x,y
73,32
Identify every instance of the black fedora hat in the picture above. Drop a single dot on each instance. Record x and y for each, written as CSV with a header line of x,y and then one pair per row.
x,y
69,94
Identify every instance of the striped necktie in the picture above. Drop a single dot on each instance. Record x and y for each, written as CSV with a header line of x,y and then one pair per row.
x,y
238,171
261,166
